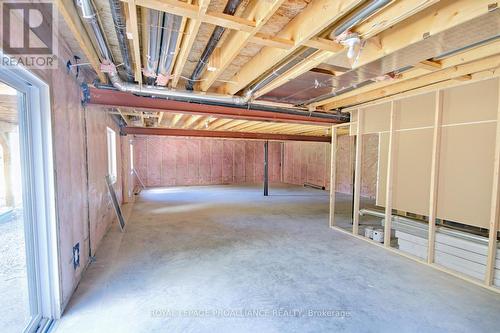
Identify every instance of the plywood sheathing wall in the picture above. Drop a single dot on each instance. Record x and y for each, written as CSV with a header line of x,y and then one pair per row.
x,y
70,167
310,162
170,161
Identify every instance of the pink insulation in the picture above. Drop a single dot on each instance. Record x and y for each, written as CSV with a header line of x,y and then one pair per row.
x,y
310,162
170,161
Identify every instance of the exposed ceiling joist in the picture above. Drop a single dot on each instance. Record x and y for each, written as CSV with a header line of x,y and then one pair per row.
x,y
442,16
223,134
191,31
136,51
306,25
472,55
369,28
72,19
258,11
196,12
450,73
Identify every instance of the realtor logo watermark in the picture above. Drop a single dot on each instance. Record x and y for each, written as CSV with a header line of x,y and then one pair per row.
x,y
28,34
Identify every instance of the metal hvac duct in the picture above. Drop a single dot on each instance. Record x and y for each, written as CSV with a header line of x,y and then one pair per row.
x,y
89,15
296,59
155,91
171,26
154,23
119,22
359,16
230,9
356,18
473,33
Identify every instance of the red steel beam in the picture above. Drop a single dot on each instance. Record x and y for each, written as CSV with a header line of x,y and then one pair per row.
x,y
222,134
122,99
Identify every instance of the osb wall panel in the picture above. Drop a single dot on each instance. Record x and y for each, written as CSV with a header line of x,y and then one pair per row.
x,y
310,162
171,161
101,211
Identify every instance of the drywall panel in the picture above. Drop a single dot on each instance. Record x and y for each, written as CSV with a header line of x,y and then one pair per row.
x,y
169,161
471,102
466,172
412,170
376,118
416,111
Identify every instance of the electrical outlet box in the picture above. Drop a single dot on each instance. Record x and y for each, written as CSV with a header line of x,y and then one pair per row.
x,y
76,255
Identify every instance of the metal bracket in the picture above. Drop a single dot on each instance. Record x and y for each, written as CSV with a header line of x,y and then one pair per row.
x,y
85,94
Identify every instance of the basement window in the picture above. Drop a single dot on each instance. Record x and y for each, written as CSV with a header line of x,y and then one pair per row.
x,y
111,140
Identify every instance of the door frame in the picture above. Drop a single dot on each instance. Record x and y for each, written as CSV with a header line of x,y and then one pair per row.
x,y
39,204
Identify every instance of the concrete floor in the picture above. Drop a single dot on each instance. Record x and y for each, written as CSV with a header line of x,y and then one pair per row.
x,y
226,259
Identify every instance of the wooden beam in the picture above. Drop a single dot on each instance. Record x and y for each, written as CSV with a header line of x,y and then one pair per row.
x,y
197,13
176,119
75,25
390,174
222,134
436,144
182,30
190,121
429,65
218,122
333,171
477,53
357,172
328,48
258,11
440,17
307,64
310,22
272,41
191,31
324,44
417,82
495,206
132,10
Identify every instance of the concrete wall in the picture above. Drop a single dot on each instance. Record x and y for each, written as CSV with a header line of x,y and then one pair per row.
x,y
169,161
310,162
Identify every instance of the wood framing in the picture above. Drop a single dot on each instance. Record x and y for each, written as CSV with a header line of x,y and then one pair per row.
x,y
328,48
197,13
223,134
191,31
310,22
495,206
436,144
261,12
390,174
357,172
132,12
418,260
333,174
305,65
395,87
444,15
72,19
